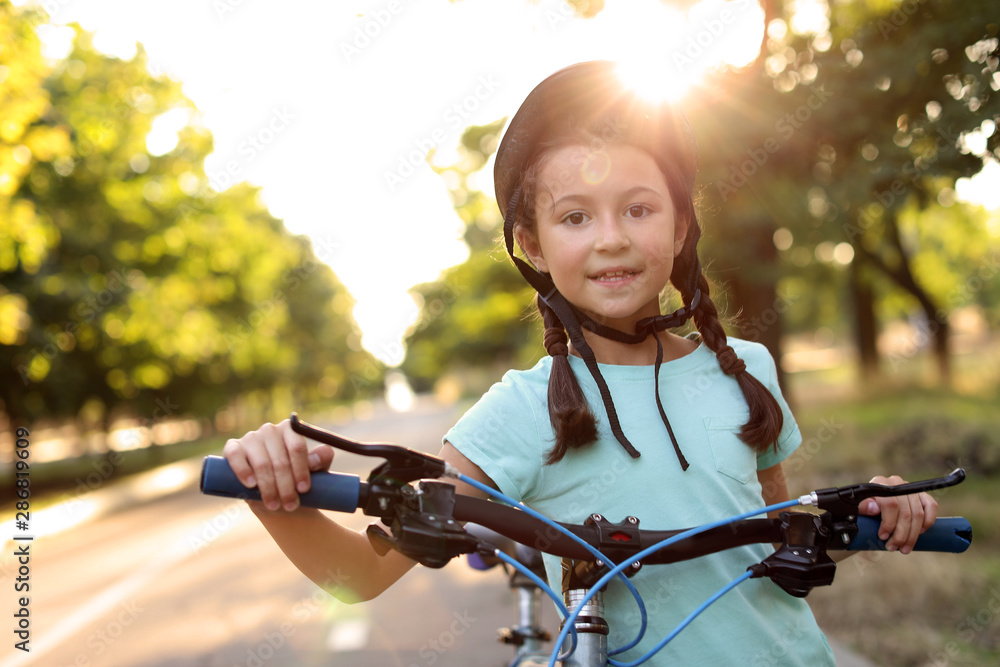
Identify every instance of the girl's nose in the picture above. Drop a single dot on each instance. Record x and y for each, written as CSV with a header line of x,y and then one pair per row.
x,y
611,234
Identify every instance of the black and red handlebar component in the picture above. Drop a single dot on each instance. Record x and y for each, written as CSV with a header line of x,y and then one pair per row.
x,y
425,519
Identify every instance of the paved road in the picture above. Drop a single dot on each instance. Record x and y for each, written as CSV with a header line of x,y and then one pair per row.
x,y
180,579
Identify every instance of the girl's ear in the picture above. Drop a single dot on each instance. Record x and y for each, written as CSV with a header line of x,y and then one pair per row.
x,y
529,244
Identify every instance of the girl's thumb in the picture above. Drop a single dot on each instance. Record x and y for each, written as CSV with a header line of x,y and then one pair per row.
x,y
869,508
320,458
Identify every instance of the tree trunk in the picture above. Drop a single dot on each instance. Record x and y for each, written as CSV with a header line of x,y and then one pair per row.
x,y
865,321
751,284
937,327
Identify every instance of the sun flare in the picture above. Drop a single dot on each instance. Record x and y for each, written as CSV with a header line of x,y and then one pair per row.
x,y
669,53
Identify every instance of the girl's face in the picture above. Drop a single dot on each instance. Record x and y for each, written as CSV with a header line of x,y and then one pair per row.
x,y
605,231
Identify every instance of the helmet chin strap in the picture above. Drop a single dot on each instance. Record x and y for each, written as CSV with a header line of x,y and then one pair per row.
x,y
575,321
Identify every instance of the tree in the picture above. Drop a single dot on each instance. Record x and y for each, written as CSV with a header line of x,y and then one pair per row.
x,y
792,148
151,289
866,174
477,314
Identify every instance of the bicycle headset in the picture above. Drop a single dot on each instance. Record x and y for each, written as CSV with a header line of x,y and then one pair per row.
x,y
590,98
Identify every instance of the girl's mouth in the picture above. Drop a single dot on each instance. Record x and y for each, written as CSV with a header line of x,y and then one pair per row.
x,y
612,277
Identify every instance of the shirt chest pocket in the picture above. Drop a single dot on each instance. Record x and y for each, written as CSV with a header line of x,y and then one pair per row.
x,y
733,457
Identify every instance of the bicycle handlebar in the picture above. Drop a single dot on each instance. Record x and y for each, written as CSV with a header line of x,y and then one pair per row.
x,y
347,493
949,534
426,522
328,491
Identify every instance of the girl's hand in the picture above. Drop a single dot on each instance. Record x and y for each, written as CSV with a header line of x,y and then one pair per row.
x,y
276,460
904,518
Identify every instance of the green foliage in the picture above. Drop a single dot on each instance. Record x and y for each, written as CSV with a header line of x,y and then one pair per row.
x,y
477,314
128,285
884,181
847,142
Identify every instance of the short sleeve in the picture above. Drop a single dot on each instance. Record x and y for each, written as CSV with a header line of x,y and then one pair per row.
x,y
789,438
501,434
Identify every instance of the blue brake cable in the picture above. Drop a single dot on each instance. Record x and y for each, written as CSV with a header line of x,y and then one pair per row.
x,y
593,550
543,585
614,571
683,624
617,570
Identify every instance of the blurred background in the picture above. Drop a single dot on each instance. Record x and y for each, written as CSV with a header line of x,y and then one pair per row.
x,y
215,213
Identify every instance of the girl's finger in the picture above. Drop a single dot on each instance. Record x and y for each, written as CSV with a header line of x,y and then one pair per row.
x,y
320,458
282,471
930,510
298,452
259,446
890,511
235,454
909,523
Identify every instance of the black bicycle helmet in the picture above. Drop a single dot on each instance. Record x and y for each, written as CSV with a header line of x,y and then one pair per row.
x,y
591,96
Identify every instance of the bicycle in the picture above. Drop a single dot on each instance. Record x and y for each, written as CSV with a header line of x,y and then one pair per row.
x,y
432,524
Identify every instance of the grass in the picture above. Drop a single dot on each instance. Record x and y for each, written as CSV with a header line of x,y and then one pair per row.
x,y
921,608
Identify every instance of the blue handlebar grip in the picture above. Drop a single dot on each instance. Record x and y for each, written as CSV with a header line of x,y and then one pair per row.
x,y
950,534
329,490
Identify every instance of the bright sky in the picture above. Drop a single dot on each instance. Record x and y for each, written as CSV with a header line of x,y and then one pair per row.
x,y
330,106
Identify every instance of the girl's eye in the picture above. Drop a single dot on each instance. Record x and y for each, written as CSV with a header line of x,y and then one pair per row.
x,y
637,210
575,218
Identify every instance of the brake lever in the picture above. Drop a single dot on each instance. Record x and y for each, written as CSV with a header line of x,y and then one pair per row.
x,y
843,501
423,527
402,465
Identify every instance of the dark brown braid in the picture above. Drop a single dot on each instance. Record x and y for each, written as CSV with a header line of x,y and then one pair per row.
x,y
573,422
762,429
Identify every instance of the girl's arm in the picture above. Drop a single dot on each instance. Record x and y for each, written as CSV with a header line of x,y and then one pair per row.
x,y
903,518
773,487
277,461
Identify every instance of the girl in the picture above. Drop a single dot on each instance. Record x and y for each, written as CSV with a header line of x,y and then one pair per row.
x,y
623,418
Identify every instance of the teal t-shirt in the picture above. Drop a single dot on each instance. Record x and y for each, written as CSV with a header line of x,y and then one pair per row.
x,y
507,433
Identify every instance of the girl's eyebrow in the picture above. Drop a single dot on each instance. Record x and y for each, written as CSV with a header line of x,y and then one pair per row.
x,y
584,197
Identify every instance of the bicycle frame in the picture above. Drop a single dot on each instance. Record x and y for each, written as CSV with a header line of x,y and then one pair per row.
x,y
426,524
